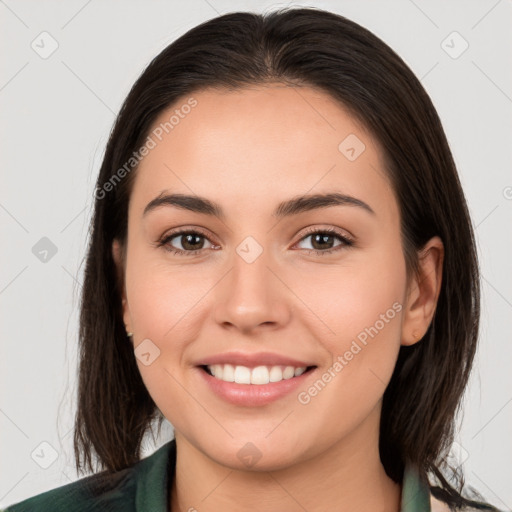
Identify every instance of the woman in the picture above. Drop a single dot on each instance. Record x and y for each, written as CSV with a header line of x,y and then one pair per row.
x,y
281,264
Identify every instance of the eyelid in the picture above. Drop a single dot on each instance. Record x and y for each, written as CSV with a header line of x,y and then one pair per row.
x,y
329,229
184,230
347,240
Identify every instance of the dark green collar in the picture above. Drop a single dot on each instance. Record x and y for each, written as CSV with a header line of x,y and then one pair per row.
x,y
146,485
415,491
157,477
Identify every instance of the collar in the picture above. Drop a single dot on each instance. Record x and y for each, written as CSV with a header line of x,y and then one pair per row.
x,y
415,491
156,473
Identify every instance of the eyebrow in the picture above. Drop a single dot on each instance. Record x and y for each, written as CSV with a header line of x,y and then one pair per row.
x,y
287,208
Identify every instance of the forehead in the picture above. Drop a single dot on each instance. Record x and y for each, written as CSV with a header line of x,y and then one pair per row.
x,y
262,143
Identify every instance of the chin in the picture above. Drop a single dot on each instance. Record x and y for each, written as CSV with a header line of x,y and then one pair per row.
x,y
259,455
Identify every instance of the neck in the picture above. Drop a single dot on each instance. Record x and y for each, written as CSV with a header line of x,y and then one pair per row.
x,y
348,476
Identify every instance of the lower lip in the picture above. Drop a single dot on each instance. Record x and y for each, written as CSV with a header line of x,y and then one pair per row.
x,y
253,395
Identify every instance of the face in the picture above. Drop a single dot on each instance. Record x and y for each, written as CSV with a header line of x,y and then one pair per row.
x,y
261,286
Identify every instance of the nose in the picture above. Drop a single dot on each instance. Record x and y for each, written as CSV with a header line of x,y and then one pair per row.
x,y
252,296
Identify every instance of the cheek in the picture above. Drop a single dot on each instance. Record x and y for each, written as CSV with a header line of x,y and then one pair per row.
x,y
161,302
358,310
161,296
354,295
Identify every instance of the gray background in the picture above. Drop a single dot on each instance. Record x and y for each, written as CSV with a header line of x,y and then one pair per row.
x,y
56,116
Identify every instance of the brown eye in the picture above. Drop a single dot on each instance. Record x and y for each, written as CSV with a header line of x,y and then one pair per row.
x,y
191,242
323,241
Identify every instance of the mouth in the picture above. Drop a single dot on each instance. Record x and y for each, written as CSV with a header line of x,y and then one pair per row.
x,y
253,379
257,376
256,386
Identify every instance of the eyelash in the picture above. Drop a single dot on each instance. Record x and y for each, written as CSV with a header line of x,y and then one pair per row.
x,y
346,242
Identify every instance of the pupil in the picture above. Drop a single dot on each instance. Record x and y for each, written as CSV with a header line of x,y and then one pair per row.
x,y
322,238
187,237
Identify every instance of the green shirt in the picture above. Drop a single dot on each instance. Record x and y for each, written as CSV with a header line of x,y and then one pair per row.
x,y
144,487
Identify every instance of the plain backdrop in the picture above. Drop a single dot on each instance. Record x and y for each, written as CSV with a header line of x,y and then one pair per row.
x,y
66,68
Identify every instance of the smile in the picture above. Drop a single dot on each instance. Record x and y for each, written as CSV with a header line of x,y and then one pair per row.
x,y
259,375
253,387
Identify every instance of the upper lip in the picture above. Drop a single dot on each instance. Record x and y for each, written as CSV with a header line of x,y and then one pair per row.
x,y
252,360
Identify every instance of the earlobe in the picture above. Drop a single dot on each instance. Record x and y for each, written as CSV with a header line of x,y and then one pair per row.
x,y
423,292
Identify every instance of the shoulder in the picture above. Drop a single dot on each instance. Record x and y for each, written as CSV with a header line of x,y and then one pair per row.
x,y
437,505
419,495
105,491
95,492
85,494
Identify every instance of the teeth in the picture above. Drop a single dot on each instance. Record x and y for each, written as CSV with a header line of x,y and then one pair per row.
x,y
275,374
258,375
228,372
242,375
299,371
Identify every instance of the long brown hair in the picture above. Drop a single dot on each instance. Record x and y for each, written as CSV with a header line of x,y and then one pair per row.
x,y
316,48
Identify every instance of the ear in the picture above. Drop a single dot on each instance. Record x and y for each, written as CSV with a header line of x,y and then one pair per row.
x,y
119,257
423,292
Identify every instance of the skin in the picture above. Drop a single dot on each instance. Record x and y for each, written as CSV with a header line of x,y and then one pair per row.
x,y
248,150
